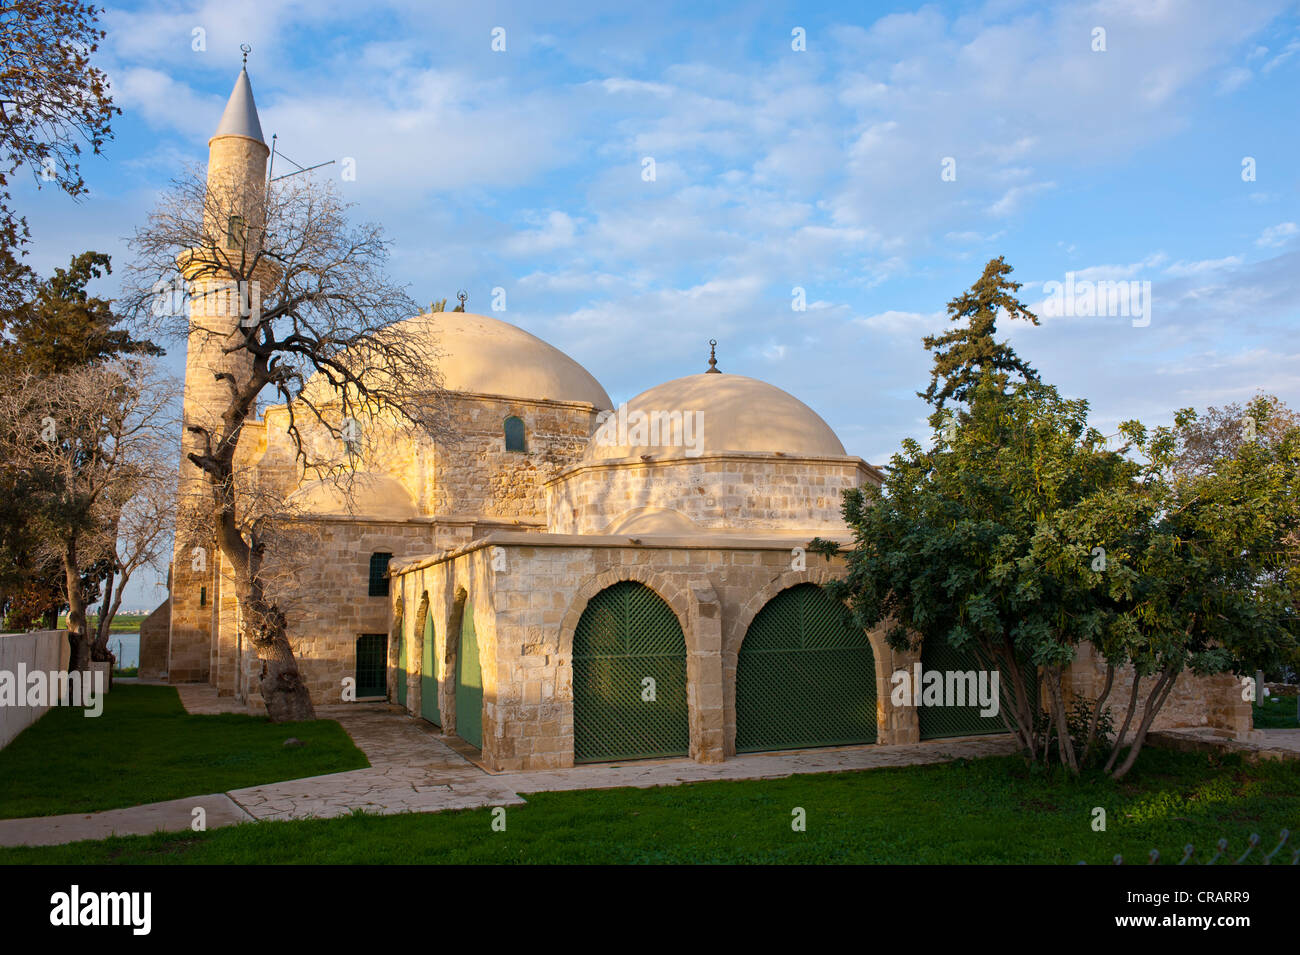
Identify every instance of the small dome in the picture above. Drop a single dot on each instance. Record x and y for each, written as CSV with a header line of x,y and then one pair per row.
x,y
708,413
373,495
485,355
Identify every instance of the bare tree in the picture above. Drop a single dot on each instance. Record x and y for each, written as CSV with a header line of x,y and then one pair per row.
x,y
140,535
1217,434
279,288
88,439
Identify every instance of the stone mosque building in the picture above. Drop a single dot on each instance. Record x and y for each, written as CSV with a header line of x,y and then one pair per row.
x,y
556,580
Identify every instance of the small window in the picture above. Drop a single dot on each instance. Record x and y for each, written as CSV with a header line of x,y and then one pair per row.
x,y
235,230
203,596
379,574
515,434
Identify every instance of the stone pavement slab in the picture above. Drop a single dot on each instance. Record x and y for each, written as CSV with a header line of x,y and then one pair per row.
x,y
671,772
170,816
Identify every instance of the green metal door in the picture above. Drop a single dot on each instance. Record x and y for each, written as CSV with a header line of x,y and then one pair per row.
x,y
401,668
469,684
629,678
429,676
805,676
939,722
372,665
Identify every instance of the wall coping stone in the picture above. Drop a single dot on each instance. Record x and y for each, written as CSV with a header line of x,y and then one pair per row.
x,y
780,541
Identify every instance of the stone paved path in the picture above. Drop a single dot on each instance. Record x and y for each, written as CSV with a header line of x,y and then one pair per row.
x,y
413,770
170,816
1269,743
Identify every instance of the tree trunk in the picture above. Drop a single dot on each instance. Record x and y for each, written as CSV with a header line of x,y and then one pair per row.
x,y
1063,741
1128,718
1096,715
1159,693
264,626
99,648
78,644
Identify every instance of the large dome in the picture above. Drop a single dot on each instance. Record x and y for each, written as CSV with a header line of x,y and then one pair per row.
x,y
485,355
725,413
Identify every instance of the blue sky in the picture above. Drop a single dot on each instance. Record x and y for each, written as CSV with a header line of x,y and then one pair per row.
x,y
775,168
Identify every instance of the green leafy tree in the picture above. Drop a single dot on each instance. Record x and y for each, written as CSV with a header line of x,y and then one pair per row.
x,y
54,102
949,548
1019,535
63,326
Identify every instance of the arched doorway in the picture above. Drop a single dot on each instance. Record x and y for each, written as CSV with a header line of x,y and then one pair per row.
x,y
469,683
629,677
961,672
805,676
429,675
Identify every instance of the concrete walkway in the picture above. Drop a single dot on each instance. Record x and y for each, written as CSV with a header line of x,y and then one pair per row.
x,y
1261,744
171,816
413,770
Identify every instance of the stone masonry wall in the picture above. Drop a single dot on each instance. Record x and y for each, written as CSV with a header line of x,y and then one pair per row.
x,y
722,491
527,597
527,600
328,606
1213,701
473,473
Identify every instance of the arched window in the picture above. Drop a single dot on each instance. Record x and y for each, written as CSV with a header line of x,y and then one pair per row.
x,y
515,434
379,574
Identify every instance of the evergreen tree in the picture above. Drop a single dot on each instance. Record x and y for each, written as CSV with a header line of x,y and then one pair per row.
x,y
964,353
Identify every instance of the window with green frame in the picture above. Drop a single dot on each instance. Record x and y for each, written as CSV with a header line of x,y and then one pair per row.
x,y
515,434
379,573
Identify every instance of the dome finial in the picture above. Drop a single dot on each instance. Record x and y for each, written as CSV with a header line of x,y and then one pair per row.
x,y
713,358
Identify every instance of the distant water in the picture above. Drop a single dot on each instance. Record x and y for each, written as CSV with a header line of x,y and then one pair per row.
x,y
126,647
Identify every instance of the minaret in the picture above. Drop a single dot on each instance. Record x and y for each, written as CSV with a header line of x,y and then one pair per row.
x,y
236,185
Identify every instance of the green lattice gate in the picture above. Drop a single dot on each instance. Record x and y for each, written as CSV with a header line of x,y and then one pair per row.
x,y
400,675
429,708
469,683
626,636
805,676
939,722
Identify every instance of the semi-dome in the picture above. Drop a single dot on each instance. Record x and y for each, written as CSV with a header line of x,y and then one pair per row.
x,y
475,353
709,413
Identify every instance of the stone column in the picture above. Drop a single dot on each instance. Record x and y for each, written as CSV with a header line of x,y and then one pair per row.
x,y
894,724
704,672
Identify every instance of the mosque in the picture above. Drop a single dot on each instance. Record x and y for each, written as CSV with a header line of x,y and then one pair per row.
x,y
554,580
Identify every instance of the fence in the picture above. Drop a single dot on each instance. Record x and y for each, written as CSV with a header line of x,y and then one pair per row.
x,y
43,650
1221,853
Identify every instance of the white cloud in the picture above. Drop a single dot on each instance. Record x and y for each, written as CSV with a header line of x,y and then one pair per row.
x,y
1205,265
1276,236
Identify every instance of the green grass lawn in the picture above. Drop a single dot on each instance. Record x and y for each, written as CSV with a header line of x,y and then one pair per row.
x,y
145,748
983,811
1276,713
122,622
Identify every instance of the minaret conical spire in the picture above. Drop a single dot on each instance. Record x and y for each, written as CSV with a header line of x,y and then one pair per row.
x,y
240,117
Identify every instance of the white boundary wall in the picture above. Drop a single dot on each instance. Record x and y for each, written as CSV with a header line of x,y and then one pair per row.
x,y
40,650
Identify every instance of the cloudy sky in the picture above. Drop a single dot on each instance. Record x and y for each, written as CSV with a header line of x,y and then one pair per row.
x,y
775,168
